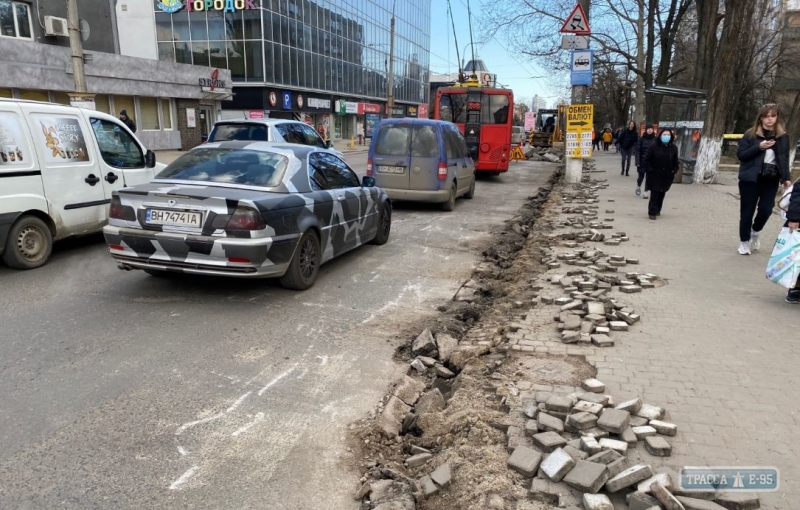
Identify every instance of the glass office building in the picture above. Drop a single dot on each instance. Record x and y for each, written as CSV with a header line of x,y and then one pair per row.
x,y
323,61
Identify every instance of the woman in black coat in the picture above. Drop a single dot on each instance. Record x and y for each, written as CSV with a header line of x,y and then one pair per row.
x,y
661,162
793,222
764,164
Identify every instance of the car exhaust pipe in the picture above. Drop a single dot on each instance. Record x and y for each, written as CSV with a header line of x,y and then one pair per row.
x,y
124,267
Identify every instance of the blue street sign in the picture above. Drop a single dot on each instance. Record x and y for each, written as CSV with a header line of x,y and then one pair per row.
x,y
581,67
287,100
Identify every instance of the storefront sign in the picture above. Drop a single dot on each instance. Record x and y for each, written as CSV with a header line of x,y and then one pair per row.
x,y
213,83
170,6
191,119
273,98
368,108
422,111
256,114
412,111
319,104
300,101
287,100
346,107
371,120
397,111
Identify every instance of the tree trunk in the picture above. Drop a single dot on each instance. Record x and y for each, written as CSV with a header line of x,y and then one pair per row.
x,y
707,21
735,33
639,105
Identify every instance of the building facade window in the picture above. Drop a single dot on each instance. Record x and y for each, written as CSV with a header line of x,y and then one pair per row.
x,y
15,20
34,95
149,108
166,113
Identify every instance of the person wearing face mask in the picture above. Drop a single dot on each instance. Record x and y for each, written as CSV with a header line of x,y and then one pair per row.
x,y
640,151
793,222
764,165
661,162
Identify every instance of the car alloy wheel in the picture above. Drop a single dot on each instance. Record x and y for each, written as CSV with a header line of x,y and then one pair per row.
x,y
308,258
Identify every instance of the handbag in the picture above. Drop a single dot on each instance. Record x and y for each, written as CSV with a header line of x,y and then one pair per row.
x,y
783,267
771,172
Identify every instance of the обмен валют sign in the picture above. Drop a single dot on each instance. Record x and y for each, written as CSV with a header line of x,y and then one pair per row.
x,y
170,6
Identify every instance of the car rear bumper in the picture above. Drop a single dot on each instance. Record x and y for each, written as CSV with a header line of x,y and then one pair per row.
x,y
264,257
6,220
415,195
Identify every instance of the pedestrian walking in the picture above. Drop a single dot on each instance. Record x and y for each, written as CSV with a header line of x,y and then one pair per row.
x,y
640,151
123,116
607,137
793,222
617,134
627,140
764,164
661,162
597,138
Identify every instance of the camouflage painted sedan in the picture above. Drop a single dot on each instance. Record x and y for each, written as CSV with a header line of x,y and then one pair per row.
x,y
247,209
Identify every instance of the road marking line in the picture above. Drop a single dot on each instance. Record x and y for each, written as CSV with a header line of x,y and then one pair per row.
x,y
259,417
198,422
238,401
276,380
184,477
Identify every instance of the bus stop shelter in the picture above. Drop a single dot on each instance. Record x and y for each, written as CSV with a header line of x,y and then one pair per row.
x,y
684,116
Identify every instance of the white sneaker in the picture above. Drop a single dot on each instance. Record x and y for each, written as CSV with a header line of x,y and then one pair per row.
x,y
646,195
755,244
744,248
638,191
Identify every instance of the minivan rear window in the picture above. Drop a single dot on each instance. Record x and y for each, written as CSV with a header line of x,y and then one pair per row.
x,y
240,132
398,140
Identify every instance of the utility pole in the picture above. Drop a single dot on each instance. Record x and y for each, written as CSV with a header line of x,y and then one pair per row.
x,y
574,166
80,97
390,80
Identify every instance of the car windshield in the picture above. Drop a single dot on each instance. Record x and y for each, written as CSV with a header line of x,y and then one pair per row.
x,y
228,166
240,132
399,140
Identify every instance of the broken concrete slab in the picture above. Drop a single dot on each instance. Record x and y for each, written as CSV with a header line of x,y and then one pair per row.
x,y
525,461
431,402
428,487
442,475
446,345
409,389
390,420
443,371
424,344
629,477
418,449
587,476
418,460
557,464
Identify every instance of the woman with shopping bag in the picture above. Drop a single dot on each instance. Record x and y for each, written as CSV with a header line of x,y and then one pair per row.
x,y
793,224
764,165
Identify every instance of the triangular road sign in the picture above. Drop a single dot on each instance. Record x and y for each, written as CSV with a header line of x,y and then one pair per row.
x,y
576,22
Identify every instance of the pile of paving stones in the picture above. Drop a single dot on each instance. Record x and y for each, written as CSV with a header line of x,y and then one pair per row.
x,y
577,446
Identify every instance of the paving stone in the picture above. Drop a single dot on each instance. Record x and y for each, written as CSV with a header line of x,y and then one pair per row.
x,y
572,323
559,404
638,421
587,476
525,461
418,365
572,305
590,445
614,420
640,501
548,492
657,446
548,441
596,433
446,345
424,344
531,428
575,443
629,477
593,398
605,457
575,453
562,301
602,341
618,325
557,464
418,449
418,460
587,327
596,308
530,410
651,412
629,436
597,502
390,420
643,432
582,420
570,337
617,467
662,478
428,487
593,385
429,362
738,501
614,444
632,406
666,498
602,330
664,428
444,372
699,504
587,407
442,475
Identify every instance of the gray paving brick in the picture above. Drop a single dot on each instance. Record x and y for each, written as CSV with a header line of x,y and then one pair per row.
x,y
657,446
738,501
525,461
698,504
587,476
548,441
640,501
628,477
597,502
614,420
548,422
557,464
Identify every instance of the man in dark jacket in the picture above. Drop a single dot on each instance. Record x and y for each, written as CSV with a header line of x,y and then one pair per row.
x,y
639,152
123,116
793,217
627,140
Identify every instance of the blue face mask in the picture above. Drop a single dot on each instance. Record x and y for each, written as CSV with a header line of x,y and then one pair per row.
x,y
665,139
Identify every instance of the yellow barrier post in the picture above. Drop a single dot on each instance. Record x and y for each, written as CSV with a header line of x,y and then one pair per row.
x,y
352,142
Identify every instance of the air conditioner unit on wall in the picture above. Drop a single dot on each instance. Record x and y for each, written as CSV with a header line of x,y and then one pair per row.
x,y
55,26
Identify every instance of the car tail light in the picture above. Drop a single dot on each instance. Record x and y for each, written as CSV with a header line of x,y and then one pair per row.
x,y
245,218
369,167
239,260
116,247
116,210
442,171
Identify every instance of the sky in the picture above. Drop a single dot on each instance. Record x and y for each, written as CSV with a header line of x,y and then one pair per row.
x,y
516,72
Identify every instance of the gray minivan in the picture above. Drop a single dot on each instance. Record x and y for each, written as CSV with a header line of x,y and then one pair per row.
x,y
421,160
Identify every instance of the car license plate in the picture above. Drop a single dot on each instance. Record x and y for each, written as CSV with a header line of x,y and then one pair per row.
x,y
391,169
176,218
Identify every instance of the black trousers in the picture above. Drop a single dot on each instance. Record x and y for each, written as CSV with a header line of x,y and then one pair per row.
x,y
656,202
640,178
626,159
755,198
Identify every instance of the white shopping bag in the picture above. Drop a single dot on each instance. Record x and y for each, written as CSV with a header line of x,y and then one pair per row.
x,y
784,263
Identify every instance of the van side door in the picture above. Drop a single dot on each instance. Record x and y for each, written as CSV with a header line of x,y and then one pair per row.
x,y
455,159
467,164
70,171
121,160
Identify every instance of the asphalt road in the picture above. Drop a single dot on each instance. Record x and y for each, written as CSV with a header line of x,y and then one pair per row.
x,y
122,390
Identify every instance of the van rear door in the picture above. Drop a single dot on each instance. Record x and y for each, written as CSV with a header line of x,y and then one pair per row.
x,y
70,170
391,157
427,151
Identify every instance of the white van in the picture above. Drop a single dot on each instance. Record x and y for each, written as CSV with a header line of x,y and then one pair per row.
x,y
58,168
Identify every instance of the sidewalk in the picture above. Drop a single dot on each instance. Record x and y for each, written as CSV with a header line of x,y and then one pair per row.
x,y
717,346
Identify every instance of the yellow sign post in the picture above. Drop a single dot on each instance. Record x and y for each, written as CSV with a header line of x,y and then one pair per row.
x,y
580,120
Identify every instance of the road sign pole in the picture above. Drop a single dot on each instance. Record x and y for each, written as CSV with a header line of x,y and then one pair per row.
x,y
574,166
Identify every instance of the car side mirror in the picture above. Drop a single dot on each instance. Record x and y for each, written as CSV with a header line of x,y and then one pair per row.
x,y
329,143
150,159
368,181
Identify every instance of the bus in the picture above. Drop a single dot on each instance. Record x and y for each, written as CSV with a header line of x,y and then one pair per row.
x,y
484,115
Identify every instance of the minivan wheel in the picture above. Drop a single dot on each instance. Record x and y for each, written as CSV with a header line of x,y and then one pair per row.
x,y
471,193
451,200
29,244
